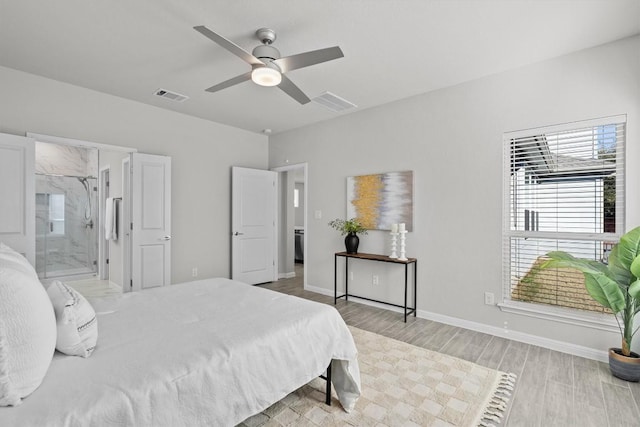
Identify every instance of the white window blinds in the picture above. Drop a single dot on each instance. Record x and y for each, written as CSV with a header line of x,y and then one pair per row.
x,y
564,190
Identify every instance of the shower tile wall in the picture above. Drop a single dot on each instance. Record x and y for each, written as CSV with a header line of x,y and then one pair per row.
x,y
54,159
65,247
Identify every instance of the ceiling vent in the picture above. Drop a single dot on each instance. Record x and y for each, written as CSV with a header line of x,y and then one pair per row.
x,y
173,96
333,102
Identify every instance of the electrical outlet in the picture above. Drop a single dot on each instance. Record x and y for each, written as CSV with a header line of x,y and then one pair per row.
x,y
194,272
489,298
375,280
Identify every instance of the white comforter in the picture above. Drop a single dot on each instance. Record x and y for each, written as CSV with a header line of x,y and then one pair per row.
x,y
211,352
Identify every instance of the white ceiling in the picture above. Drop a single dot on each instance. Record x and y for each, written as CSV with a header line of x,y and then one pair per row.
x,y
393,49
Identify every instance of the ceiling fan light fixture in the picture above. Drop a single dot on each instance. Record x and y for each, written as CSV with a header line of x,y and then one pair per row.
x,y
267,65
265,76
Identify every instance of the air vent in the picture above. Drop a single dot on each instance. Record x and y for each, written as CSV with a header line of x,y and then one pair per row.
x,y
173,96
333,102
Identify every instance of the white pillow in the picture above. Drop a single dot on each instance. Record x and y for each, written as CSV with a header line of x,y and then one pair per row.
x,y
27,328
75,319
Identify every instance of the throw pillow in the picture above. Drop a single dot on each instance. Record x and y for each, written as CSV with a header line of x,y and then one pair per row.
x,y
75,319
27,328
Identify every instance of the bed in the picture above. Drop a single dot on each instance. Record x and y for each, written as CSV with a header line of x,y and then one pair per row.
x,y
211,352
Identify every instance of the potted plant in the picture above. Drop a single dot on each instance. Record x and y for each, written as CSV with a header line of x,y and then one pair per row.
x,y
616,286
350,227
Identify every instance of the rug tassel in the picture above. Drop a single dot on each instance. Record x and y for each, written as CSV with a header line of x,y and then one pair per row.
x,y
503,391
494,413
495,407
500,406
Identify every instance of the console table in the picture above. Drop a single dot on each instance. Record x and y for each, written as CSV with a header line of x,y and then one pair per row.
x,y
382,258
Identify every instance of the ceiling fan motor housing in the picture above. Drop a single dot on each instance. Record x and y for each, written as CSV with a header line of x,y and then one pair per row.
x,y
266,53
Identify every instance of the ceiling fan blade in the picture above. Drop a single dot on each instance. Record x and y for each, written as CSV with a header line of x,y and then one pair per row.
x,y
306,59
229,45
293,91
231,82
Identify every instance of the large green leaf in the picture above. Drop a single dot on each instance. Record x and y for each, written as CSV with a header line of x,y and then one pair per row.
x,y
563,259
635,267
634,289
605,290
600,286
622,255
630,245
618,271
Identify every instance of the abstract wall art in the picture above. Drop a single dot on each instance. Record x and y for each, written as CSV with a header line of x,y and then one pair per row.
x,y
381,200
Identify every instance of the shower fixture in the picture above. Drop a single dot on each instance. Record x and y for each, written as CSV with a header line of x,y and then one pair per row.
x,y
87,207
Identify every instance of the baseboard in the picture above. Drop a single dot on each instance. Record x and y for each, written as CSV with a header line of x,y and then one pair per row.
x,y
563,347
289,275
115,286
318,290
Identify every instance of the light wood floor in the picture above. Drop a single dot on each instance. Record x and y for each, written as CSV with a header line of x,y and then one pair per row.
x,y
94,287
553,388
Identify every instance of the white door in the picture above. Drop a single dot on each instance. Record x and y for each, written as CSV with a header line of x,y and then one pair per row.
x,y
253,225
17,194
150,221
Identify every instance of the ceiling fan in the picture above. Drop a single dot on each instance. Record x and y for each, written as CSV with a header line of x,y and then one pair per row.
x,y
267,67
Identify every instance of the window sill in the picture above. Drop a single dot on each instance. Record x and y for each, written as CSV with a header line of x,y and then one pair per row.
x,y
601,321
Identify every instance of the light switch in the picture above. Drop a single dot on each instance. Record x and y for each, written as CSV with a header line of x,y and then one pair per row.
x,y
317,215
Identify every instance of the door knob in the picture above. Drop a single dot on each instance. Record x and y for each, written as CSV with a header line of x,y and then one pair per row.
x,y
238,233
165,238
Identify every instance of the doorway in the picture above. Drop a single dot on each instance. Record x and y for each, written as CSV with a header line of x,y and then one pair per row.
x,y
19,163
72,180
293,237
66,189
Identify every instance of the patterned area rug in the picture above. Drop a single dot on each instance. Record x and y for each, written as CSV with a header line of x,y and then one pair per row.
x,y
402,385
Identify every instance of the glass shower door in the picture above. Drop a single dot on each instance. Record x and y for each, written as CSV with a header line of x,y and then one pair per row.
x,y
66,232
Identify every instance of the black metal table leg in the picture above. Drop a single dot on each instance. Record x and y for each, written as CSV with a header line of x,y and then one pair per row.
x,y
335,279
346,279
405,292
415,288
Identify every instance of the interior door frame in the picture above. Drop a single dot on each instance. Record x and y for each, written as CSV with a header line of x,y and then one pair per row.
x,y
287,168
127,282
103,245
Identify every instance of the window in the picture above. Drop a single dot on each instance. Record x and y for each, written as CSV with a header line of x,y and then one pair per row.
x,y
564,190
56,214
296,198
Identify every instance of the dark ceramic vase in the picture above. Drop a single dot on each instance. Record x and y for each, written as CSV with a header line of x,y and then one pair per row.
x,y
626,368
351,242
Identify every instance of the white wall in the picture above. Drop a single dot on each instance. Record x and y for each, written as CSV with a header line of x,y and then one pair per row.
x,y
202,154
452,140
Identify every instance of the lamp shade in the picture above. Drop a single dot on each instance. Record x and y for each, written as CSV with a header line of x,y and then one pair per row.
x,y
265,76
